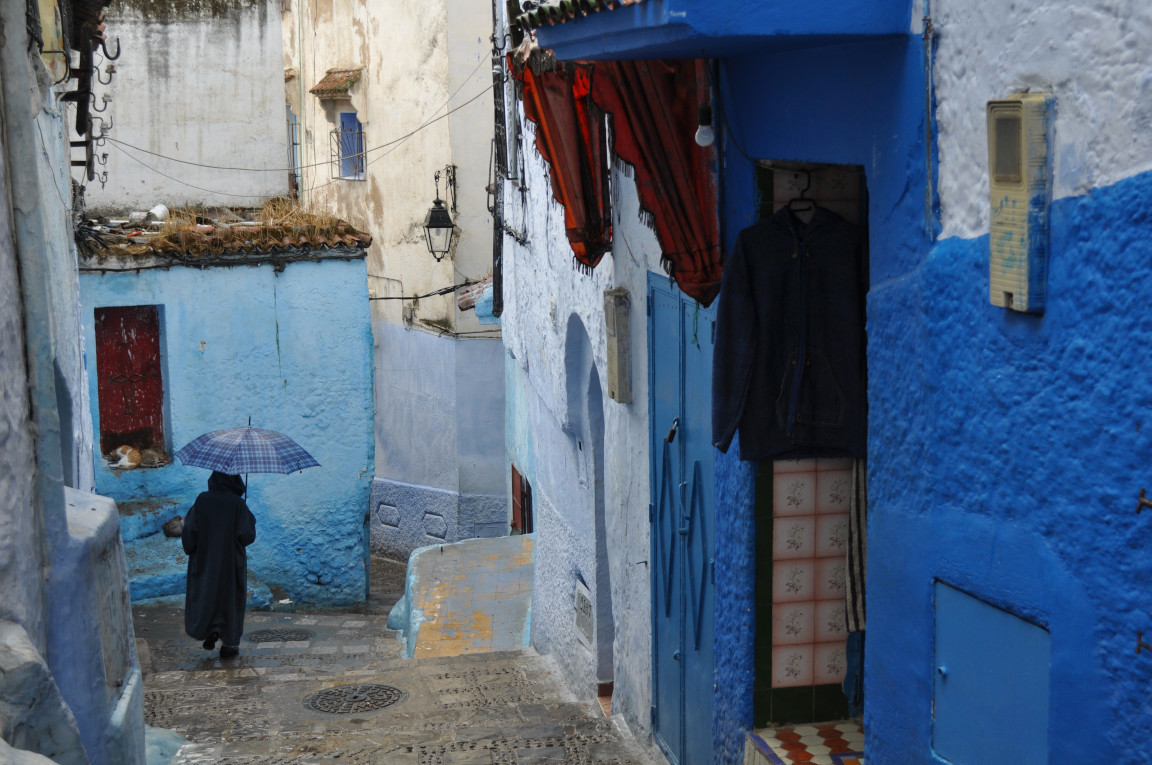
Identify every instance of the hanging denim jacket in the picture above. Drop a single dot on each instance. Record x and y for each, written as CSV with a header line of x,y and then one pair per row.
x,y
789,368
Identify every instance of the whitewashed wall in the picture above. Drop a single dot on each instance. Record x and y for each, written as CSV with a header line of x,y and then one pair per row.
x,y
64,616
198,81
425,102
1092,55
420,61
542,289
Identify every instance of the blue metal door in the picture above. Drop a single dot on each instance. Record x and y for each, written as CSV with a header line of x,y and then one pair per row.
x,y
991,678
680,335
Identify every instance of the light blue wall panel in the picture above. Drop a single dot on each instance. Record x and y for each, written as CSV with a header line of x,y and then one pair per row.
x,y
990,697
293,351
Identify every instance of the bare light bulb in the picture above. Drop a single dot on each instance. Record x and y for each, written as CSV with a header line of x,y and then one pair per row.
x,y
705,136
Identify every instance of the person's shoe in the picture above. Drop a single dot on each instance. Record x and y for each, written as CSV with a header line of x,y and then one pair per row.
x,y
229,651
210,643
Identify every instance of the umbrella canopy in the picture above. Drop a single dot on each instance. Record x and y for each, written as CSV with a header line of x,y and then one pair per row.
x,y
246,450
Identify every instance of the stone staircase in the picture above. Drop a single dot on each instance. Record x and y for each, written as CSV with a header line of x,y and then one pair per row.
x,y
157,564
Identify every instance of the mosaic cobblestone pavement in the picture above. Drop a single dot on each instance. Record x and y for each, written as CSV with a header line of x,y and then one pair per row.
x,y
509,708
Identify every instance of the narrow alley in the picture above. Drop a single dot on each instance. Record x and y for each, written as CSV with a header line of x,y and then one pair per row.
x,y
334,688
559,382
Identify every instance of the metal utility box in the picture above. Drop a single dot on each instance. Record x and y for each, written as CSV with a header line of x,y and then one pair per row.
x,y
1020,179
616,304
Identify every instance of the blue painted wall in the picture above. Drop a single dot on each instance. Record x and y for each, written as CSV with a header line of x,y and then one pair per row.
x,y
858,104
709,28
293,350
440,471
1013,471
1006,451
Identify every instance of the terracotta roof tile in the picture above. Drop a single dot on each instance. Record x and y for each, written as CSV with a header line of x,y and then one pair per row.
x,y
336,83
119,241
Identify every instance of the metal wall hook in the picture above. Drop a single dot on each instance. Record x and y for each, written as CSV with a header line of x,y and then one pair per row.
x,y
104,47
500,42
1142,502
106,98
109,70
1140,642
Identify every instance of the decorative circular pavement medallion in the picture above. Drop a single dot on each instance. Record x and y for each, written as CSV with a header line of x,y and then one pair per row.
x,y
278,636
347,699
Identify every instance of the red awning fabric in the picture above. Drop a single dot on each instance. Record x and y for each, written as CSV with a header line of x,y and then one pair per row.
x,y
654,114
571,137
654,105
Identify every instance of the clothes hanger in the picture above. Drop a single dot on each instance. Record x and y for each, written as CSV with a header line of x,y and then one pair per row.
x,y
803,204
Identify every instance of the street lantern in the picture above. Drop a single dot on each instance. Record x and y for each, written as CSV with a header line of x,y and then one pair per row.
x,y
438,226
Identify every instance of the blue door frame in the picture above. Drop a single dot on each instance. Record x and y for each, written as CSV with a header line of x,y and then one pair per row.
x,y
683,521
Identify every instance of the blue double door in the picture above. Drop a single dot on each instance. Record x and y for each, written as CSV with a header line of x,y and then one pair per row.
x,y
683,521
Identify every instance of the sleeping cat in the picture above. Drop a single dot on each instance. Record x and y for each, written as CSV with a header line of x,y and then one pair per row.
x,y
129,458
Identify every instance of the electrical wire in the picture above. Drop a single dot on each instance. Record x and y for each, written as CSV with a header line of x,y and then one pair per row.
x,y
183,183
441,291
393,144
724,116
365,153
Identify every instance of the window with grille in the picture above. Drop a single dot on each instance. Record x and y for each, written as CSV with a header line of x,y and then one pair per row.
x,y
130,385
347,148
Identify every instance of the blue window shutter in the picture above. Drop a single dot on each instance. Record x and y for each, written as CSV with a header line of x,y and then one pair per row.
x,y
351,146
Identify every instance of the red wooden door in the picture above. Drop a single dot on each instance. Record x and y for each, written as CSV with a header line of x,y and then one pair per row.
x,y
129,383
517,500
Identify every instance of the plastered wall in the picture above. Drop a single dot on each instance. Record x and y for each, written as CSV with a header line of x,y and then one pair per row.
x,y
248,341
199,81
545,294
56,638
424,101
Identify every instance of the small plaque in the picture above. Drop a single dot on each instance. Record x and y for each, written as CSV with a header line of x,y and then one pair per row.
x,y
585,618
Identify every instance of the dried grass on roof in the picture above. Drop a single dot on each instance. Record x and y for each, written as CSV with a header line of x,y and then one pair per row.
x,y
280,224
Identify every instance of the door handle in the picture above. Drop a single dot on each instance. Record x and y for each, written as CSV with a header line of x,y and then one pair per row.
x,y
676,655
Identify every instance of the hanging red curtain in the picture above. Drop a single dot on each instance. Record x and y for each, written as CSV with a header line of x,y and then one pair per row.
x,y
654,106
571,137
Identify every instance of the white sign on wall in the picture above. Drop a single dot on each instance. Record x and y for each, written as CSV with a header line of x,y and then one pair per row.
x,y
585,619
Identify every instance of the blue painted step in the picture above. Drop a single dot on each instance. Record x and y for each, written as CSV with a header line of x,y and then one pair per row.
x,y
143,518
157,569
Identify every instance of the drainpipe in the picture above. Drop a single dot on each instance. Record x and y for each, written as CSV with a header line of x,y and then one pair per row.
x,y
303,126
929,37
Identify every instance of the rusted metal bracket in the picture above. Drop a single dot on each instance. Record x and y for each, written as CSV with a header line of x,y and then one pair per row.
x,y
1143,502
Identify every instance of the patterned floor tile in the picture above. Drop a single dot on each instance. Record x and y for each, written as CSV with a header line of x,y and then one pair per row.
x,y
838,743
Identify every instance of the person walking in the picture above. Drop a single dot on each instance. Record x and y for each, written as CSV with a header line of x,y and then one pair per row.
x,y
216,532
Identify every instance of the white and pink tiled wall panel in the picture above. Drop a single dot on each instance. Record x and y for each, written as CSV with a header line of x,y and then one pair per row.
x,y
809,548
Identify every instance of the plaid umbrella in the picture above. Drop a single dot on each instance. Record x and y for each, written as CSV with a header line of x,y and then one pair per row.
x,y
246,450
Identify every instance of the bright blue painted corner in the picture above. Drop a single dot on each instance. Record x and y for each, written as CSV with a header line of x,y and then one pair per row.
x,y
735,630
484,307
240,342
1007,453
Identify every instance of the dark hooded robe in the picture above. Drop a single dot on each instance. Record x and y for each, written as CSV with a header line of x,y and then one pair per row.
x,y
217,529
